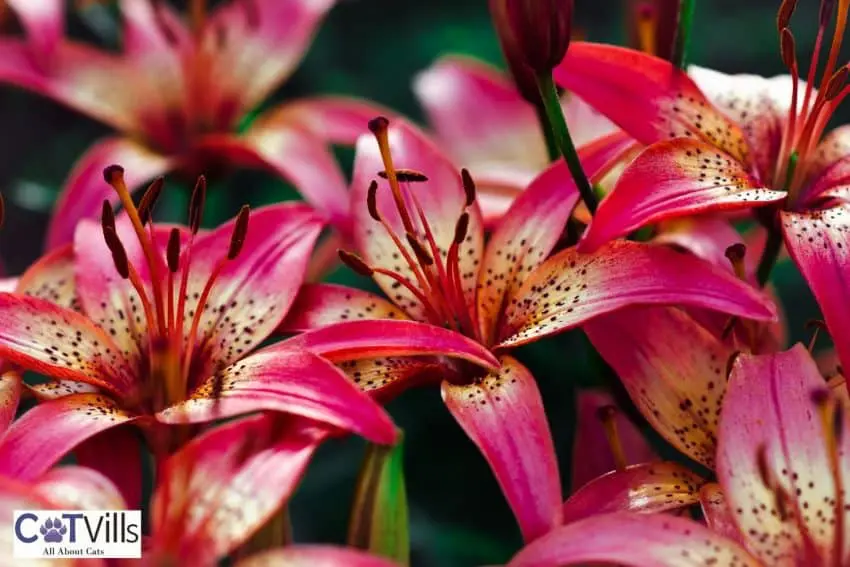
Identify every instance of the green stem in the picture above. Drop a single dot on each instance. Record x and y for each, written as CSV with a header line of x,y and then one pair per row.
x,y
683,33
551,145
769,255
557,125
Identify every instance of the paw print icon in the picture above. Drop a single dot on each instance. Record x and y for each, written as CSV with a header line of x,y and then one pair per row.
x,y
52,530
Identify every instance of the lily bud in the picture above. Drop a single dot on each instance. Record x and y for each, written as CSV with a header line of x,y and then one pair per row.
x,y
523,75
542,30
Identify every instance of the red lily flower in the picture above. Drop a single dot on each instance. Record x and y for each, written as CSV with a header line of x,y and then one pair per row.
x,y
177,95
782,466
746,142
420,235
486,126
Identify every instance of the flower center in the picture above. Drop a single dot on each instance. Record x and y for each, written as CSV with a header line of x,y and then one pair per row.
x,y
808,117
172,325
435,277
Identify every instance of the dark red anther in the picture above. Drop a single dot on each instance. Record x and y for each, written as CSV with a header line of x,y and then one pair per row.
x,y
461,228
419,249
763,467
148,201
372,201
838,422
119,254
354,262
783,16
240,230
736,252
378,125
836,83
787,49
468,186
827,9
173,250
112,173
196,204
408,175
107,216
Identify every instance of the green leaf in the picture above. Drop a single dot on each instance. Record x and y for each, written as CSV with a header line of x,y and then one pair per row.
x,y
380,521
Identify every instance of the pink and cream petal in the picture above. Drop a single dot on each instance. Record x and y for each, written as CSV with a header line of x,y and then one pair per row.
x,y
716,512
125,466
832,183
673,179
832,148
53,389
231,480
774,462
592,452
61,343
706,237
634,540
384,377
255,290
318,305
85,189
586,124
46,433
152,29
264,40
443,201
334,119
44,23
80,488
11,386
502,413
51,277
571,288
648,97
354,340
647,488
673,369
315,556
288,381
819,243
479,117
294,154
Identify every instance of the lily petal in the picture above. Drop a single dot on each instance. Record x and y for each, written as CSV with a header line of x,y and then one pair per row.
x,y
356,340
716,512
295,155
11,386
85,190
769,409
571,288
60,343
43,435
647,97
263,43
819,244
53,389
503,415
334,119
647,488
123,468
44,22
80,488
289,381
636,540
673,369
832,148
592,453
232,478
675,178
254,291
51,277
318,305
315,556
479,116
144,32
519,245
443,201
705,237
384,377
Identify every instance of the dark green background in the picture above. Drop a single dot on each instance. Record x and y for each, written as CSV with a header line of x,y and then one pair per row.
x,y
372,49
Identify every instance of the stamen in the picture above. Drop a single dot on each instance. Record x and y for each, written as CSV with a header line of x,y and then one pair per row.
x,y
646,22
837,36
379,127
468,186
406,175
148,201
607,416
419,250
240,230
836,83
783,16
119,254
372,201
173,250
788,51
736,254
356,263
196,204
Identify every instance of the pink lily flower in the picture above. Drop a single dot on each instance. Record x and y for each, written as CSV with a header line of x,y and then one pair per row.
x,y
782,466
486,126
741,143
420,235
177,95
169,343
223,486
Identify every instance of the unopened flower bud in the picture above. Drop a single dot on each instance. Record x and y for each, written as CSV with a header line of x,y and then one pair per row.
x,y
523,75
542,30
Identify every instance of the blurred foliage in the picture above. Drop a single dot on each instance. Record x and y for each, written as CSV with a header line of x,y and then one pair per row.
x,y
373,49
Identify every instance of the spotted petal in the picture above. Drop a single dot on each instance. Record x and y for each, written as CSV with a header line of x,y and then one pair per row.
x,y
315,556
318,305
716,512
442,199
675,178
46,433
819,243
52,340
356,340
289,381
502,413
647,488
11,385
635,540
674,371
51,277
231,479
769,410
571,288
85,190
648,97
